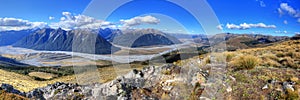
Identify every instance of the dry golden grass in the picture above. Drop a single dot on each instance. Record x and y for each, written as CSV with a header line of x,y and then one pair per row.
x,y
109,73
27,83
285,54
245,62
229,56
42,75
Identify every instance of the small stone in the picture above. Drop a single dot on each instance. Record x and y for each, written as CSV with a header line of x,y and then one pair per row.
x,y
232,78
229,89
272,81
204,98
265,87
135,71
288,86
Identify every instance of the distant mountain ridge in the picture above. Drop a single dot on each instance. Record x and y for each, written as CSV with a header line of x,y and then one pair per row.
x,y
142,37
104,41
244,41
84,41
8,62
11,37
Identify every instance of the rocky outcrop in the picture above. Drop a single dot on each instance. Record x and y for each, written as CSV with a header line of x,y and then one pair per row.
x,y
156,83
168,81
10,89
283,89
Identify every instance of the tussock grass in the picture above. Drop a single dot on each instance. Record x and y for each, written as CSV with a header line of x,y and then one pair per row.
x,y
245,62
285,54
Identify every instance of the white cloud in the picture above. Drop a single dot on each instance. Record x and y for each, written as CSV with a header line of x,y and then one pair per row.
x,y
248,26
262,4
297,32
289,9
51,18
232,26
285,22
63,18
220,27
19,24
13,22
297,15
69,21
68,16
140,20
285,32
285,7
298,20
280,12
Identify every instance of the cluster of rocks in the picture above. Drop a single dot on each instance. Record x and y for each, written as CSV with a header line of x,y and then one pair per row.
x,y
57,90
10,89
150,83
154,83
287,85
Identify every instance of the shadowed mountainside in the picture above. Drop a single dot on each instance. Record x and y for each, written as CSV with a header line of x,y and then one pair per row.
x,y
84,41
10,37
142,37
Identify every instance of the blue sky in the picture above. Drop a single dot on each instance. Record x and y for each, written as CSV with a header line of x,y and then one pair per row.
x,y
273,17
40,10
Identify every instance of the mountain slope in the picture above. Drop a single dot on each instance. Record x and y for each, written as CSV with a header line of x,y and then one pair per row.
x,y
10,62
11,37
84,41
142,37
245,41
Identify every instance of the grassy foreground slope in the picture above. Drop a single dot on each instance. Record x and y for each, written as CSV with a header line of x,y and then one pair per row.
x,y
29,82
265,73
26,83
254,70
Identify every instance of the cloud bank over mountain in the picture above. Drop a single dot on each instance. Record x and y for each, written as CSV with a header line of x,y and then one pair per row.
x,y
70,21
248,26
139,20
19,24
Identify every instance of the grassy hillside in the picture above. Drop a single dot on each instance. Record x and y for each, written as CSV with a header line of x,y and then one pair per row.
x,y
257,73
27,83
245,41
282,55
260,73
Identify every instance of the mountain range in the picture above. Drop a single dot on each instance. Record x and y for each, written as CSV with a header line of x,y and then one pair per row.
x,y
84,41
142,37
107,41
10,37
244,41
